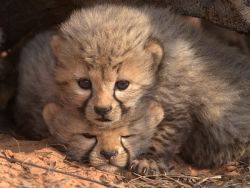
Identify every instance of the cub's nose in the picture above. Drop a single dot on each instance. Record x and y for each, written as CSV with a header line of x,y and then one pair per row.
x,y
102,110
108,154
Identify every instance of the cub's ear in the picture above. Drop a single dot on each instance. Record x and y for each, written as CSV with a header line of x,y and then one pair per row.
x,y
55,44
155,113
155,48
50,112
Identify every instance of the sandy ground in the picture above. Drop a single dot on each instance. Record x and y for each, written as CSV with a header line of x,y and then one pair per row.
x,y
36,164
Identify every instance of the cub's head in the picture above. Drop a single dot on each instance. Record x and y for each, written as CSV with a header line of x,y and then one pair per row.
x,y
105,149
103,69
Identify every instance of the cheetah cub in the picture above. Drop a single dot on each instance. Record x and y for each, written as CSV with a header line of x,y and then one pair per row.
x,y
105,59
108,149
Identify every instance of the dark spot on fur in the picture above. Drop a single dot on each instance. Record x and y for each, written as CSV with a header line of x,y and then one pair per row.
x,y
158,140
164,136
152,148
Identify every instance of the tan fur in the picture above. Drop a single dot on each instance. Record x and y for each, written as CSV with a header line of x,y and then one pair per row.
x,y
103,72
202,85
69,129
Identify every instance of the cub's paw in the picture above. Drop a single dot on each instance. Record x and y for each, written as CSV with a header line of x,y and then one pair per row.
x,y
147,166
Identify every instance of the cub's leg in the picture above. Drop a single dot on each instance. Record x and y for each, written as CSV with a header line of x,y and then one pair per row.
x,y
167,141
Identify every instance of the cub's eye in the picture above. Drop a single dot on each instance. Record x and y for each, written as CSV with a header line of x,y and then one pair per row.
x,y
87,135
128,136
122,84
84,83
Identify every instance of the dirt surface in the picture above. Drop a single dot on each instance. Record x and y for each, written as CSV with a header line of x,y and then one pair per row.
x,y
36,164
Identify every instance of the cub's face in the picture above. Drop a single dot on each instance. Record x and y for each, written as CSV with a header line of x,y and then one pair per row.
x,y
104,82
105,149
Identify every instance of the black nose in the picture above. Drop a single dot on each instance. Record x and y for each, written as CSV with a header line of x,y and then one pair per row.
x,y
102,110
108,154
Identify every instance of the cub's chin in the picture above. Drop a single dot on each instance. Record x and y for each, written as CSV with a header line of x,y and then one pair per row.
x,y
109,168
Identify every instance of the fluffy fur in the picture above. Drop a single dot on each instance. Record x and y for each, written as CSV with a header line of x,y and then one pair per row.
x,y
36,86
226,36
202,85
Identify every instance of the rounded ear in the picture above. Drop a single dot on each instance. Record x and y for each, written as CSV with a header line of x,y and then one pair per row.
x,y
55,44
155,113
50,112
155,48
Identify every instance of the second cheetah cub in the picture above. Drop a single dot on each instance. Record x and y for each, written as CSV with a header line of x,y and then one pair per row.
x,y
106,149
